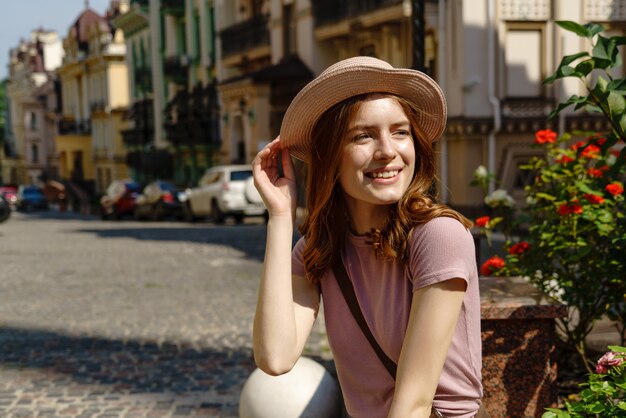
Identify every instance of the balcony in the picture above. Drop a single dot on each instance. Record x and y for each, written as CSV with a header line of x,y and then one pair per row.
x,y
326,12
97,106
173,7
527,107
192,118
143,79
142,133
245,36
153,163
176,69
72,127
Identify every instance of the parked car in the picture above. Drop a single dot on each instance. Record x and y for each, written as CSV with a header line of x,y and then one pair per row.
x,y
119,199
226,190
5,209
159,199
10,194
31,198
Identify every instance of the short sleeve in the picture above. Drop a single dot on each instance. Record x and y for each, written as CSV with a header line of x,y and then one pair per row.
x,y
441,249
297,264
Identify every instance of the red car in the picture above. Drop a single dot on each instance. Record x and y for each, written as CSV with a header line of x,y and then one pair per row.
x,y
10,194
119,199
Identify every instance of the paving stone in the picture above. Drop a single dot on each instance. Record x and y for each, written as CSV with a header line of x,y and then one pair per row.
x,y
127,319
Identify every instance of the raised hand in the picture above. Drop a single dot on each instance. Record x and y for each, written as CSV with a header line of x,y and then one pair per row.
x,y
278,192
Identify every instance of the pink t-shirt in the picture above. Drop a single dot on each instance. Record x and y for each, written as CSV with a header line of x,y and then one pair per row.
x,y
441,249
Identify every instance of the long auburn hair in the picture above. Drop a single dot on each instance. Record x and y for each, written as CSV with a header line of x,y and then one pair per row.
x,y
326,224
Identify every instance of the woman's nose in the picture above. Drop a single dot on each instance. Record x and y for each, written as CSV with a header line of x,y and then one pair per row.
x,y
385,148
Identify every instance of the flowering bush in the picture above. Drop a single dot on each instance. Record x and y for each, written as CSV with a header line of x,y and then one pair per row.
x,y
575,212
605,392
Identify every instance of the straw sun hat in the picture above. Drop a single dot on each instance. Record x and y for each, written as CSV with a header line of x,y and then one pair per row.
x,y
353,77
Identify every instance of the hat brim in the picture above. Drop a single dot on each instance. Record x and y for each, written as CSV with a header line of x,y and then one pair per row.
x,y
333,87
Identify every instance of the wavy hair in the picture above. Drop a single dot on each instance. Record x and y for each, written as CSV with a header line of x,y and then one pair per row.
x,y
326,224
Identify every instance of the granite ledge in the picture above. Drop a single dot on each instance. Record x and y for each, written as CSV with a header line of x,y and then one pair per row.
x,y
515,298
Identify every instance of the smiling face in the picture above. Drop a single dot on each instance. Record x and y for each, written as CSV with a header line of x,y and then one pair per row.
x,y
378,160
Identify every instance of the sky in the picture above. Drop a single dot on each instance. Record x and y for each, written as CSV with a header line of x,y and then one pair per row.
x,y
19,17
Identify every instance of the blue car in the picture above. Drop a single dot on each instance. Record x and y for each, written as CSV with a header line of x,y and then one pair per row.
x,y
31,198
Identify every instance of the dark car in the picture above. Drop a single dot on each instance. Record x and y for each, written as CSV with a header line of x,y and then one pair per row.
x,y
5,208
119,199
31,198
159,199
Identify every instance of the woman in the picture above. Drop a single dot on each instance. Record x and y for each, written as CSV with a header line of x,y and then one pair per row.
x,y
365,131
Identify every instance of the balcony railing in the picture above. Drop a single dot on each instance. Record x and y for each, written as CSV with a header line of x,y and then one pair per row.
x,y
191,118
331,11
71,127
143,79
246,35
176,68
141,113
173,7
527,107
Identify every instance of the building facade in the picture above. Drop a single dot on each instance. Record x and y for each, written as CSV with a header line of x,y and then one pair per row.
x,y
94,83
29,149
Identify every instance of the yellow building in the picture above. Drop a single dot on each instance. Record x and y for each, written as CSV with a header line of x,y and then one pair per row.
x,y
94,83
108,78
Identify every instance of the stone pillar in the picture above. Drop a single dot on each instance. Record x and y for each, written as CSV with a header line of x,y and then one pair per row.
x,y
518,336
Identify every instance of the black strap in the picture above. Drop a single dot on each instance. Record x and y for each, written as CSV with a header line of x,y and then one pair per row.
x,y
348,294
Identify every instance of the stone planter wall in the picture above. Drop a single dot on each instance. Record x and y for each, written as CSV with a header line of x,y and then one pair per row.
x,y
518,336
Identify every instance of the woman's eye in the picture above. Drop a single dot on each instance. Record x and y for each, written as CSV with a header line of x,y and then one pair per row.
x,y
402,132
361,137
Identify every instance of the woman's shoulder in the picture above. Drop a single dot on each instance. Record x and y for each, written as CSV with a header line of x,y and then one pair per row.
x,y
440,225
443,231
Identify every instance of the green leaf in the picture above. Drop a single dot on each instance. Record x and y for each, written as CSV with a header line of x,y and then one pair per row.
x,y
601,84
617,104
605,217
601,49
594,28
564,70
617,85
617,348
585,67
546,196
584,188
577,28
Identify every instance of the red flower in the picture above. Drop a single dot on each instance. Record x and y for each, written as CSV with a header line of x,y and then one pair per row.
x,y
519,248
566,209
592,151
577,145
564,159
545,136
597,172
482,221
594,172
614,188
492,265
597,139
594,198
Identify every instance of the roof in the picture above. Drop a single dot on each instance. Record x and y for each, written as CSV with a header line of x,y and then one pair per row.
x,y
80,28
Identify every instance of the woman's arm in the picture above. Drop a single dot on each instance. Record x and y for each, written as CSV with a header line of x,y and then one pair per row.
x,y
286,305
435,310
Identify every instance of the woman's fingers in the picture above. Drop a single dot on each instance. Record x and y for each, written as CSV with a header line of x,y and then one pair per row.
x,y
287,164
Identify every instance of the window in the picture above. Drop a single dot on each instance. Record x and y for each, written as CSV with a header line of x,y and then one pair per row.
x,y
523,52
34,153
33,121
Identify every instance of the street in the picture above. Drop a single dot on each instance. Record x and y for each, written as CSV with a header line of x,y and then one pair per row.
x,y
127,319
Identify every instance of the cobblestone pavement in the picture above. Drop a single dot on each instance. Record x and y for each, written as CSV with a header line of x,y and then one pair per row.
x,y
127,319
